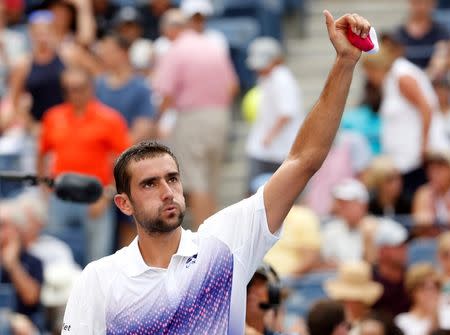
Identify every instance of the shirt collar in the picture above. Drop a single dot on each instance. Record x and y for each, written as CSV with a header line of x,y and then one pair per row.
x,y
136,264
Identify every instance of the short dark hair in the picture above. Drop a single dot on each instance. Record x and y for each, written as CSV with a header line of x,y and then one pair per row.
x,y
137,152
324,316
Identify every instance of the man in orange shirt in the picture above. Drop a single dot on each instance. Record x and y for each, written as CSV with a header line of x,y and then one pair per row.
x,y
82,135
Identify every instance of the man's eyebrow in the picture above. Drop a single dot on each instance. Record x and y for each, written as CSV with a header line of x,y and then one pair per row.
x,y
173,174
148,180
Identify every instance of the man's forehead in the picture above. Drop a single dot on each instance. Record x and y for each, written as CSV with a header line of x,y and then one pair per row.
x,y
156,165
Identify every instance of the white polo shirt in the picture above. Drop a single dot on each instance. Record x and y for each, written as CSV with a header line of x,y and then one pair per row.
x,y
203,290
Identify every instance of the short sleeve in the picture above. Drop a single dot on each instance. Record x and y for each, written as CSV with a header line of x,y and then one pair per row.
x,y
287,94
244,229
44,143
144,106
167,76
85,310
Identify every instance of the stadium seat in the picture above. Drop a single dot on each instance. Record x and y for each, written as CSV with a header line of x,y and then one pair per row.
x,y
422,250
239,31
7,297
305,291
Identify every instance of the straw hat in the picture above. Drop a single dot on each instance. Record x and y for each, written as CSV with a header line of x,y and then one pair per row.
x,y
354,282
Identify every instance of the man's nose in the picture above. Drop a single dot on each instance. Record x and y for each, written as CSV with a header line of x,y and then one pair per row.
x,y
166,191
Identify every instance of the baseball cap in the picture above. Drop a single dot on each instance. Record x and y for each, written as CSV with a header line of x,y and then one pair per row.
x,y
127,14
192,7
351,190
262,51
390,233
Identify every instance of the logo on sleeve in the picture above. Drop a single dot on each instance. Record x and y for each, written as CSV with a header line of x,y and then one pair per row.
x,y
191,260
66,327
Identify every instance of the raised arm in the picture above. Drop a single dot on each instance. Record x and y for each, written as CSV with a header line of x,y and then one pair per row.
x,y
317,133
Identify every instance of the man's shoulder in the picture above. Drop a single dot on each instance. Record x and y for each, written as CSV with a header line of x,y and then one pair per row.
x,y
106,113
106,267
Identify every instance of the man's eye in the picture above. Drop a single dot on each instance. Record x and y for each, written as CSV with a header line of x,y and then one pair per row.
x,y
173,179
149,184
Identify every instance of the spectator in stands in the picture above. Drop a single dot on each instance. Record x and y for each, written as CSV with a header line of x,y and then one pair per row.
x,y
377,323
442,88
386,188
423,286
420,32
128,23
74,20
327,317
431,205
407,110
443,256
343,237
101,134
152,11
19,269
298,250
39,74
29,213
129,94
365,118
355,289
104,12
198,80
280,108
263,296
122,90
172,24
390,239
12,47
197,13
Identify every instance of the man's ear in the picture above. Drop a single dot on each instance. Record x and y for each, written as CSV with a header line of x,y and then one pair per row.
x,y
123,202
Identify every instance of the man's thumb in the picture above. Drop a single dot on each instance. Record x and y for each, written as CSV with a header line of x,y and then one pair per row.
x,y
329,21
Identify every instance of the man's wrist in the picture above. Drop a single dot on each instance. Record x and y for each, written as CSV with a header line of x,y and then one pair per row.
x,y
346,62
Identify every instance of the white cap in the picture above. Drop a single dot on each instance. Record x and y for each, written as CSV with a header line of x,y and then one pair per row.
x,y
141,54
262,51
59,279
351,190
390,233
192,7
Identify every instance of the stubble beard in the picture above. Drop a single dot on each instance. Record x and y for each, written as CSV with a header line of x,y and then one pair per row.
x,y
158,225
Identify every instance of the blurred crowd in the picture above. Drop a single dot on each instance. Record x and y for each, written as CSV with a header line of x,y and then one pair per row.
x,y
81,80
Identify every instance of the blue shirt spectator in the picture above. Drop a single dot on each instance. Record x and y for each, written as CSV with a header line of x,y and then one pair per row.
x,y
132,100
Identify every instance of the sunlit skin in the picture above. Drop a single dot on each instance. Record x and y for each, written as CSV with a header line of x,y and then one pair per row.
x,y
156,199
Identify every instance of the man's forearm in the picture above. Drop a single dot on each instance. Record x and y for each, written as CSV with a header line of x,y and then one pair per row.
x,y
316,136
26,286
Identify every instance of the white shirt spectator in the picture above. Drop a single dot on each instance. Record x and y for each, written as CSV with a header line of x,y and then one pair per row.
x,y
340,243
401,133
13,46
50,250
412,325
203,290
280,96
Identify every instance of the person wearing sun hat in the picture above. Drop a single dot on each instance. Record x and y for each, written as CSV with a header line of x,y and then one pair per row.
x,y
355,288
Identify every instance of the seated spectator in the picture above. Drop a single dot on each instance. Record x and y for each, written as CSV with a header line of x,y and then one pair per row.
x,y
355,289
263,302
349,157
298,250
20,269
365,119
431,204
343,238
327,317
443,256
152,11
128,23
423,286
420,32
409,111
442,88
392,257
378,324
386,189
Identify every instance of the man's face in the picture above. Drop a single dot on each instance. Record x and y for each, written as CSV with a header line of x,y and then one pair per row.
x,y
77,88
421,7
352,211
397,256
156,198
257,293
110,54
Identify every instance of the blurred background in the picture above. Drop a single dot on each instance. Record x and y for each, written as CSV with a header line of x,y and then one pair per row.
x,y
226,84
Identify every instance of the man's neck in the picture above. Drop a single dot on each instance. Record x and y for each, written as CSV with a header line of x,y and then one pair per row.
x,y
120,76
158,249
